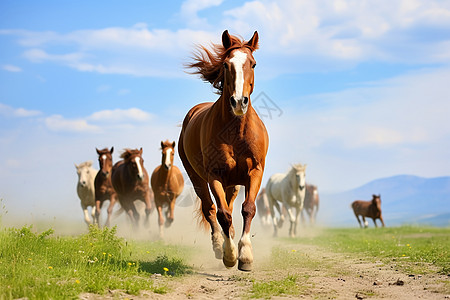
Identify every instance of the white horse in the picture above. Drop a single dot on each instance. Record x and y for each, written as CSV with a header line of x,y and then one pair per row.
x,y
289,189
86,189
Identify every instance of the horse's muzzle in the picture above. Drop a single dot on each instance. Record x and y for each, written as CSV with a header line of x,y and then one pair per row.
x,y
239,105
301,187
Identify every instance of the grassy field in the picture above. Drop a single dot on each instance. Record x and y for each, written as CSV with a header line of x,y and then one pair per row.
x,y
411,248
40,265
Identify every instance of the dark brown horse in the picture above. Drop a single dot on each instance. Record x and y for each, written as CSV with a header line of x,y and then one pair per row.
x,y
223,144
130,180
103,186
311,204
167,184
370,209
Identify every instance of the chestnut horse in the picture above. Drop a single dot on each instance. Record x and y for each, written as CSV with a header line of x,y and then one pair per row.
x,y
370,209
223,145
311,204
85,188
103,186
130,180
167,184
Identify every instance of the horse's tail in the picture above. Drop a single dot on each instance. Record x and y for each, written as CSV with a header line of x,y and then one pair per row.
x,y
201,219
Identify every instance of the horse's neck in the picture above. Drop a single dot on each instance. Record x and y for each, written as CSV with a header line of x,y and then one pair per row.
x,y
165,175
291,181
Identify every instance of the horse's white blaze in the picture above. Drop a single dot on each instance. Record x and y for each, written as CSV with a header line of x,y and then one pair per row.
x,y
138,163
168,153
238,61
245,248
104,157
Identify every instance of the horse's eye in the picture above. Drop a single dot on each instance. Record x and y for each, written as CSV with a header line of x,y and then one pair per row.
x,y
254,65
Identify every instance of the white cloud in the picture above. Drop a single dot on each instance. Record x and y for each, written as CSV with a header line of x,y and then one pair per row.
x,y
190,9
137,51
121,115
101,121
309,34
11,68
9,111
348,30
59,124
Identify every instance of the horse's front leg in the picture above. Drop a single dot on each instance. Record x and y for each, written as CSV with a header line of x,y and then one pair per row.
x,y
93,213
160,219
297,216
148,208
292,217
170,211
86,214
112,202
248,212
225,220
98,209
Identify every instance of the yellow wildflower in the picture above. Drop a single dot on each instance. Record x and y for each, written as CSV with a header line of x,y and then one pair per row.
x,y
165,269
77,281
50,267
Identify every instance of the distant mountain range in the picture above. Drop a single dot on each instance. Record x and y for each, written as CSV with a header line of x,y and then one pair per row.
x,y
405,200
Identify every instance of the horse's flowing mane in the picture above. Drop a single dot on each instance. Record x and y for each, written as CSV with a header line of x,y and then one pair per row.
x,y
209,63
85,164
127,153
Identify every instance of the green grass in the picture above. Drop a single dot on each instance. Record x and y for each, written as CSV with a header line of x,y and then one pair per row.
x,y
41,266
285,287
412,249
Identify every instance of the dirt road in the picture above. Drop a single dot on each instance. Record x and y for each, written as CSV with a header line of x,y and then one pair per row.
x,y
319,273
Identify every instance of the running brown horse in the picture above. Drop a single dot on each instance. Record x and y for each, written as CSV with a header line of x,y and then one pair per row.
x,y
311,204
131,182
223,145
370,209
103,186
167,184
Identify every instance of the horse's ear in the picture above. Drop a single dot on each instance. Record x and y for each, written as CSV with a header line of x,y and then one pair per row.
x,y
226,40
173,144
253,42
162,145
89,163
98,151
112,150
140,151
76,166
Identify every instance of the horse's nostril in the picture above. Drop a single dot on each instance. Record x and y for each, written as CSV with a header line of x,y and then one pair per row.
x,y
233,101
245,100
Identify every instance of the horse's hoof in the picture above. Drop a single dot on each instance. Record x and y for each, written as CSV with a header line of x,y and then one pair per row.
x,y
228,264
246,267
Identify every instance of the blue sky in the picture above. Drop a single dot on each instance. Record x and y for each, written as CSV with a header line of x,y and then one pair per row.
x,y
361,87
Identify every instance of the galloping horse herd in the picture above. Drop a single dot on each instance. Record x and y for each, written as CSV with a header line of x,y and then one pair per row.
x,y
222,146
